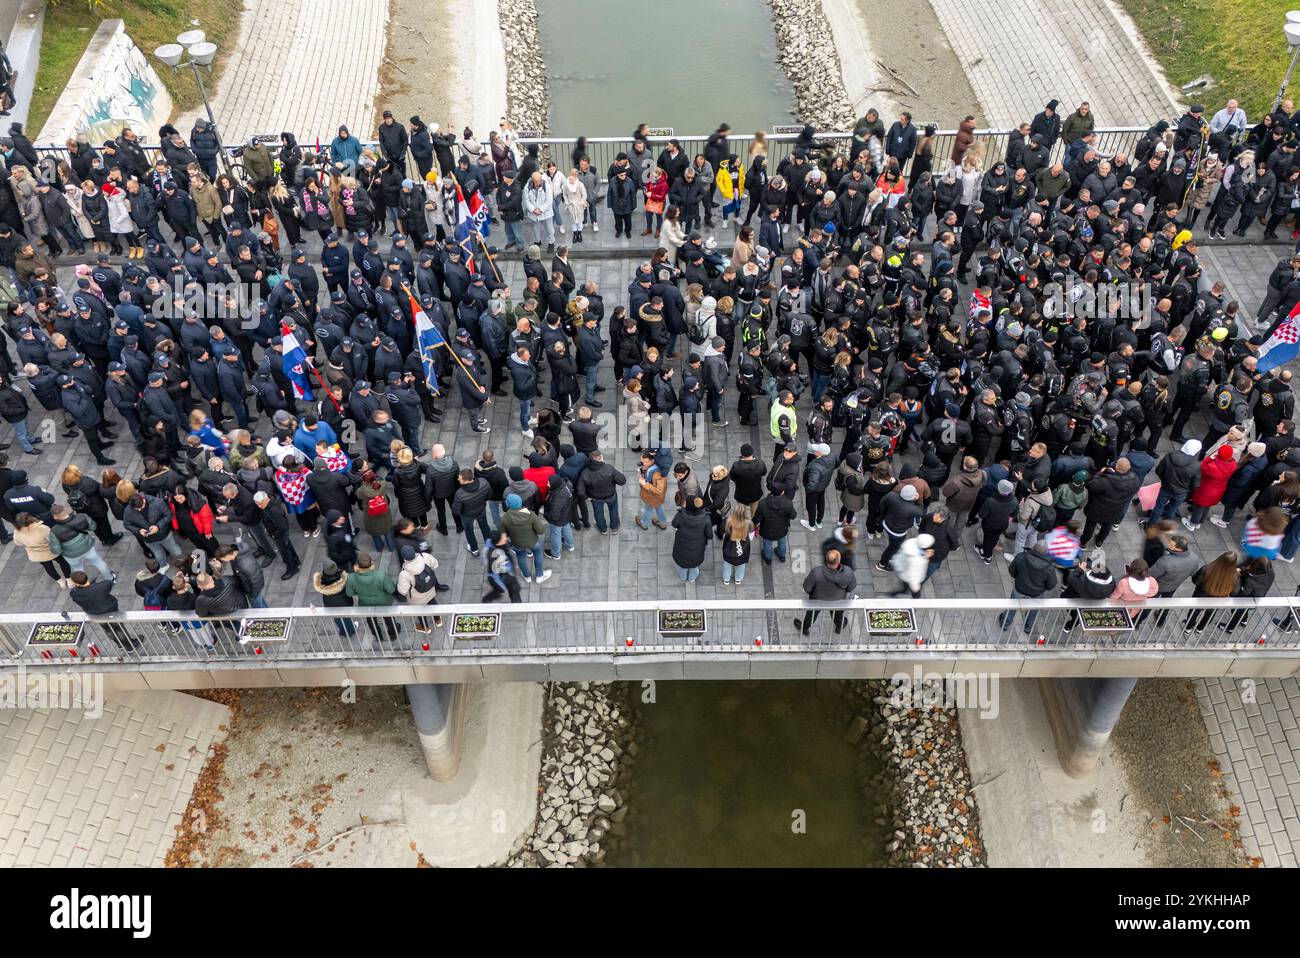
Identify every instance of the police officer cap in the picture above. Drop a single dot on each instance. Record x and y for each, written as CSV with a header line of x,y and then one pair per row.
x,y
116,368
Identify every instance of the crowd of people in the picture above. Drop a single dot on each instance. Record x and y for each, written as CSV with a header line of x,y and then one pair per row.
x,y
895,327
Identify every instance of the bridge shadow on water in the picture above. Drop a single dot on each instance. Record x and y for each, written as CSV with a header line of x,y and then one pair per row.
x,y
748,774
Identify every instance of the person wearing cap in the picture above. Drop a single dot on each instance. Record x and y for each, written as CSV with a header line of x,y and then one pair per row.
x,y
901,510
84,410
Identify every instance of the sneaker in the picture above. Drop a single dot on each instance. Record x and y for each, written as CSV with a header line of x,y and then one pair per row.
x,y
720,425
595,227
1285,559
471,550
543,577
482,429
638,523
1008,556
807,525
1187,524
603,532
550,555
527,434
1218,522
569,549
881,568
987,560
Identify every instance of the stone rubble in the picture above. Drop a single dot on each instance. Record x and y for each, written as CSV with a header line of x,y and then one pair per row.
x,y
587,757
932,816
806,49
527,101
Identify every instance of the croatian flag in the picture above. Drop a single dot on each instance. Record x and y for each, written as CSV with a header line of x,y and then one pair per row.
x,y
428,338
472,217
295,364
1283,345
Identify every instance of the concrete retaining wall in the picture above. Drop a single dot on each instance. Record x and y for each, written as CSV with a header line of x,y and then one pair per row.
x,y
114,86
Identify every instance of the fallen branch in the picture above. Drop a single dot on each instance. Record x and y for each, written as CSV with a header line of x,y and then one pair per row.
x,y
342,835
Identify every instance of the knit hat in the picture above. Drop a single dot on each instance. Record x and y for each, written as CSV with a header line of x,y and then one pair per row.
x,y
1226,452
1192,447
908,493
1256,449
407,553
513,501
1080,477
925,541
1006,487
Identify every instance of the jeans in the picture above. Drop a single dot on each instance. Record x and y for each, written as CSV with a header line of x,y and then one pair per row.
x,y
258,602
650,513
599,506
495,507
24,438
1026,536
384,542
781,546
654,221
592,372
688,575
555,535
469,522
164,549
1006,618
1291,539
513,234
91,558
525,413
521,559
1167,505
733,572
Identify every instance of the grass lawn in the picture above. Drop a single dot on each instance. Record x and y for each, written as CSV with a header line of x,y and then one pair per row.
x,y
150,23
1238,42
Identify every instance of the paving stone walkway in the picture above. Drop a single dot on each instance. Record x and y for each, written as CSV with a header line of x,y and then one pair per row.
x,y
306,66
108,791
1018,54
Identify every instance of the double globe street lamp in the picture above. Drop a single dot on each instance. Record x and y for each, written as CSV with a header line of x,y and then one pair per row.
x,y
201,54
1292,31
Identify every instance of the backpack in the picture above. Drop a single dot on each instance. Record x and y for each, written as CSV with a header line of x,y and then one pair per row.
x,y
153,601
1045,520
377,506
424,580
698,333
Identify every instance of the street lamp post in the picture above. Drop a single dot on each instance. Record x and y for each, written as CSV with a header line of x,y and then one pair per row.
x,y
1292,31
202,53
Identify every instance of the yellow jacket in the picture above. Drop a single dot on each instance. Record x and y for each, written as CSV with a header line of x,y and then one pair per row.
x,y
730,191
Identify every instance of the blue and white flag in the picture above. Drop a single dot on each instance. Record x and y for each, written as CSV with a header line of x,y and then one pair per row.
x,y
296,364
428,338
1283,345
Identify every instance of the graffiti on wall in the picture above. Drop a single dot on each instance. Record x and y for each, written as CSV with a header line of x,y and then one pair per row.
x,y
118,88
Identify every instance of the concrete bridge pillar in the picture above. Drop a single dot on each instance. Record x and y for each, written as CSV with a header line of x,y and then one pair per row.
x,y
1082,713
439,713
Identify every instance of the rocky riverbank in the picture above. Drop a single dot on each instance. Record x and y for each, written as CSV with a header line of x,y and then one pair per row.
x,y
588,753
526,96
932,814
806,49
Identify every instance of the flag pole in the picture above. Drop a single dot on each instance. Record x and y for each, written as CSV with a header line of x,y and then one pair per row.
x,y
460,362
491,262
312,366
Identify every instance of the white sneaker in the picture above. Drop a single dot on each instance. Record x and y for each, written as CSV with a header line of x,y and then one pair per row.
x,y
63,583
527,434
1218,522
1008,556
1188,525
785,228
595,227
1285,559
806,524
543,577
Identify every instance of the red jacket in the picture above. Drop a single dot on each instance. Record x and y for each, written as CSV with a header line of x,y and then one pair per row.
x,y
1215,474
202,519
540,476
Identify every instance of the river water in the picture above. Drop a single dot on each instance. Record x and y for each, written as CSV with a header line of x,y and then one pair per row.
x,y
747,774
612,64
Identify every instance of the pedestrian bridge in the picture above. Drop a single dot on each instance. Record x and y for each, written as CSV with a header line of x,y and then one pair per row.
x,y
630,641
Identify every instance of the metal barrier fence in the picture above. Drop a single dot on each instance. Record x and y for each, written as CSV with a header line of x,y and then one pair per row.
x,y
603,149
397,633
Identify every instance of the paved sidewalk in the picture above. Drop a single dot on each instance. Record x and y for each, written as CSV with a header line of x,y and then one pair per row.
x,y
1018,54
306,66
76,791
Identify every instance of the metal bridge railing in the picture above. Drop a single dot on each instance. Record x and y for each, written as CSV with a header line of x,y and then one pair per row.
x,y
322,635
603,149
